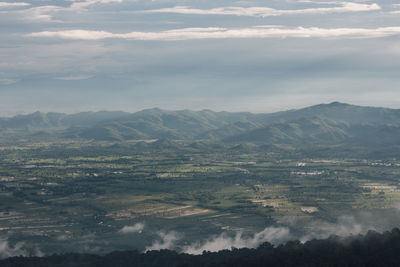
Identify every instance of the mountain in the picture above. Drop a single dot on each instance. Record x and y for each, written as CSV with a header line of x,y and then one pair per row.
x,y
304,130
337,111
327,124
324,124
39,120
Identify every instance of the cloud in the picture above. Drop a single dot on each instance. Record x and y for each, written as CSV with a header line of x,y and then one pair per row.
x,y
224,33
46,13
39,13
42,13
14,4
93,2
273,235
167,241
75,78
266,11
137,228
7,81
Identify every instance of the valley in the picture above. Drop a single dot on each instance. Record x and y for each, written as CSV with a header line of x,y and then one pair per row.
x,y
77,201
86,183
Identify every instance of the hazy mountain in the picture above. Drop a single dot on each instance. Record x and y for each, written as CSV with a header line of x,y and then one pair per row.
x,y
39,120
324,124
340,112
304,130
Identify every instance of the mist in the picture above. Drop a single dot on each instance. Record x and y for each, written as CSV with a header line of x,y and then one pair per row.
x,y
136,228
275,235
8,249
288,229
166,241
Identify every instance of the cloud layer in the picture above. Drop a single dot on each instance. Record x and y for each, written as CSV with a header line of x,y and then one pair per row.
x,y
223,33
267,12
13,4
93,2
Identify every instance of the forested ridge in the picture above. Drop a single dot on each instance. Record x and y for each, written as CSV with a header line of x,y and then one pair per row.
x,y
372,249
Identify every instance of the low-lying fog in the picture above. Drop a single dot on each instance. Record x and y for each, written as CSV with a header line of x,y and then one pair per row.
x,y
284,230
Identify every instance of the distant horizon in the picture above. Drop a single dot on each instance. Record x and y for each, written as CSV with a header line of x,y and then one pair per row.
x,y
254,106
197,110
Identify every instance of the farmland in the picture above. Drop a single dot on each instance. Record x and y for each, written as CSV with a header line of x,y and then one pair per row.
x,y
78,196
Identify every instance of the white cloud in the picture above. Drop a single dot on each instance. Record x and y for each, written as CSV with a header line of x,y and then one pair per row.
x,y
14,4
93,2
35,14
266,11
41,13
46,13
137,228
223,33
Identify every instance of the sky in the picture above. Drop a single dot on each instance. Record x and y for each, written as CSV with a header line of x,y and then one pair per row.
x,y
258,56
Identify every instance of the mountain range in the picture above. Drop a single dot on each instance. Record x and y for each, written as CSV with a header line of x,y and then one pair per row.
x,y
324,124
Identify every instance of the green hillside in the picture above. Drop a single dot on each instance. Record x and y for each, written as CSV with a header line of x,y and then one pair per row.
x,y
325,124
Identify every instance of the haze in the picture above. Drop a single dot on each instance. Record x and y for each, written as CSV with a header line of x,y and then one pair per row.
x,y
258,56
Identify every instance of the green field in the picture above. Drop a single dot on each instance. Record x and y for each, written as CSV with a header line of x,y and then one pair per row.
x,y
77,196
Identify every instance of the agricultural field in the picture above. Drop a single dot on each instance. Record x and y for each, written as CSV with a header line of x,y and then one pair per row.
x,y
104,196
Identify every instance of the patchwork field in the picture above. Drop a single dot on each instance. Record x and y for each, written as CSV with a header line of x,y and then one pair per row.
x,y
48,197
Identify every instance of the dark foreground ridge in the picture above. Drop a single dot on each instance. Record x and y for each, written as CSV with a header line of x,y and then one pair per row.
x,y
373,249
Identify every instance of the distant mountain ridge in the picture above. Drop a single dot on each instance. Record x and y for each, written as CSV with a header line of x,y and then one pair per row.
x,y
324,124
